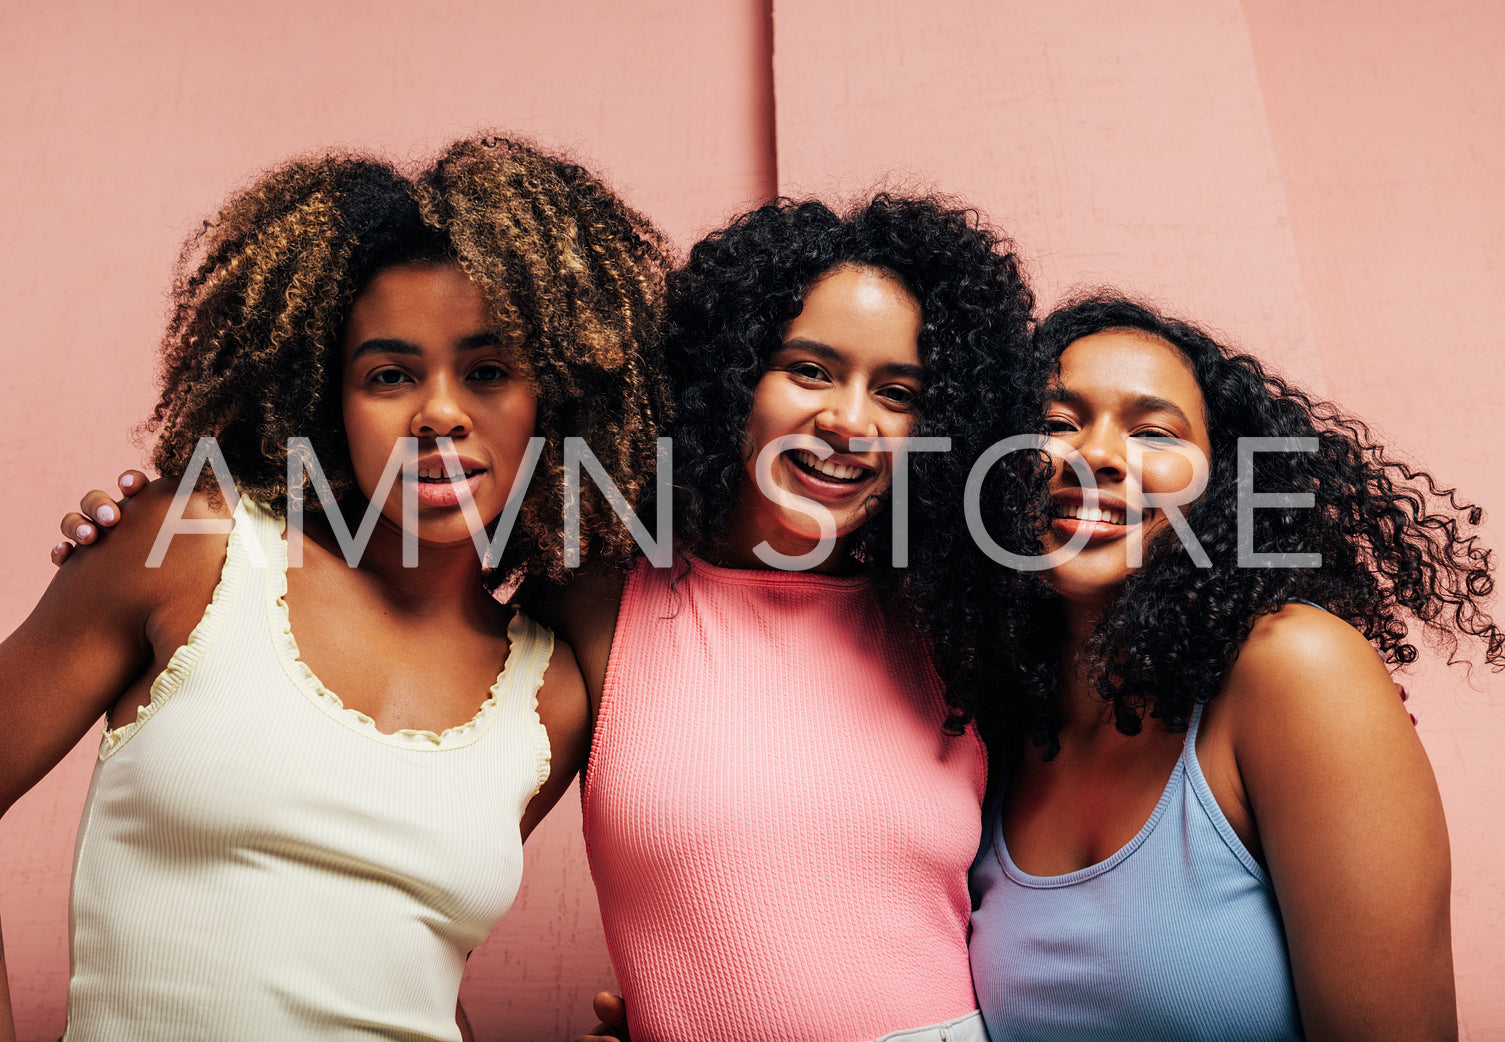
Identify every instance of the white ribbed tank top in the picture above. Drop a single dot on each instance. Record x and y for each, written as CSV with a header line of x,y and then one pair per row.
x,y
257,861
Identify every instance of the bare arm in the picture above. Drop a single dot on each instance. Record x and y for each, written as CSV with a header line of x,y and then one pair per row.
x,y
72,659
80,648
565,715
1351,824
585,614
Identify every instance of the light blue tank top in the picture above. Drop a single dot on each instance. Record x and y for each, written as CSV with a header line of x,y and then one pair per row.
x,y
1175,937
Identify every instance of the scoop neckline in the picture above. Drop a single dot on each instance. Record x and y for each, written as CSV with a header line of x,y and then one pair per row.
x,y
308,682
1123,853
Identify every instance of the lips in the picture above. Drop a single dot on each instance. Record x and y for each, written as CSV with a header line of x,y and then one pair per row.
x,y
436,488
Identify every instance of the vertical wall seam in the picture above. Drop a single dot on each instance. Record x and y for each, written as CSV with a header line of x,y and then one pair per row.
x,y
771,121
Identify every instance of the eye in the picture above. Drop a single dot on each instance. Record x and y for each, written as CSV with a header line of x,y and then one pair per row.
x,y
388,377
806,370
490,373
1151,432
1058,425
899,395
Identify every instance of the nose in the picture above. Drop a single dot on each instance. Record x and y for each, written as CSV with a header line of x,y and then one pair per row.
x,y
441,412
847,413
1104,448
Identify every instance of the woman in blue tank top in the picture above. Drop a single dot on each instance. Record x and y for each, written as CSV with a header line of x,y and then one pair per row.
x,y
1212,817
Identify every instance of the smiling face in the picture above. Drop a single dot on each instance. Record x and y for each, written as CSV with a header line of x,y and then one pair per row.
x,y
420,361
848,367
1123,400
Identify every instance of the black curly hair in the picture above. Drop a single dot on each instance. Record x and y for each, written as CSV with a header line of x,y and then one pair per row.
x,y
251,353
731,303
1394,545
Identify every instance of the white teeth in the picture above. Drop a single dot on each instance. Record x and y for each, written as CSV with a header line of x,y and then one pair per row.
x,y
1086,513
831,470
436,473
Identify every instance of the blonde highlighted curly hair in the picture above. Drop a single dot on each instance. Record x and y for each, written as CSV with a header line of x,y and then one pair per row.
x,y
570,273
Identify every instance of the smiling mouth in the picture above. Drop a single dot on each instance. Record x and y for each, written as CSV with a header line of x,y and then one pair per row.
x,y
1082,512
826,470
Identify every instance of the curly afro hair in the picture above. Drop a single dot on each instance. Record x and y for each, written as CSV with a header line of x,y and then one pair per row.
x,y
1393,544
251,353
730,305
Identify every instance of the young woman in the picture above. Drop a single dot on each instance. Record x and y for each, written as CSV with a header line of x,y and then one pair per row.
x,y
778,817
778,823
314,784
1214,818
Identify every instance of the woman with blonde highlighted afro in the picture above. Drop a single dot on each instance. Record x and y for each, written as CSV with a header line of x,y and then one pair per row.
x,y
322,753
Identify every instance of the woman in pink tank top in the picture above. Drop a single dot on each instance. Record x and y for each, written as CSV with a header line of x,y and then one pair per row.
x,y
780,808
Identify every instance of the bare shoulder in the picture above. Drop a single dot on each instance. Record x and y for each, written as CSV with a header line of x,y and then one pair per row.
x,y
1302,665
1316,723
94,633
144,515
121,560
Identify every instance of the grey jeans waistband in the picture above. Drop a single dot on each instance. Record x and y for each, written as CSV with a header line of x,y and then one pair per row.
x,y
963,1029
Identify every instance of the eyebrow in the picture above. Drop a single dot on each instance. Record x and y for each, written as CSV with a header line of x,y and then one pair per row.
x,y
830,354
1139,403
396,346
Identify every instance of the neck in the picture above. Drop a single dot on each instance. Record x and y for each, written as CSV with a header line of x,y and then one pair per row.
x,y
1082,709
447,579
734,546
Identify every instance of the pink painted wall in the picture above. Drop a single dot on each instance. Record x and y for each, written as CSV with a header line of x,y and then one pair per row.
x,y
1322,181
1388,120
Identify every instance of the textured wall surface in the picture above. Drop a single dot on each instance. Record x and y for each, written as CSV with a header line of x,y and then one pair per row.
x,y
1319,181
1387,125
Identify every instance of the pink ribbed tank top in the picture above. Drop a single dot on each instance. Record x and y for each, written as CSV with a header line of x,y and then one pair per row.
x,y
778,829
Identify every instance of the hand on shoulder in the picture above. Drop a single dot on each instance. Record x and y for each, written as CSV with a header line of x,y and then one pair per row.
x,y
96,511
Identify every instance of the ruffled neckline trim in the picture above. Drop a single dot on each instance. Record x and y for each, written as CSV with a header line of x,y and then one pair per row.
x,y
188,655
308,682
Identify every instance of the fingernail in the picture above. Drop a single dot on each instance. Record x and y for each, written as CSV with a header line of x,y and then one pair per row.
x,y
105,514
83,531
56,550
127,480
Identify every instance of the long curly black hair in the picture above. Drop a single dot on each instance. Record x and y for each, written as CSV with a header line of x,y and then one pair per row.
x,y
251,353
1394,545
731,303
